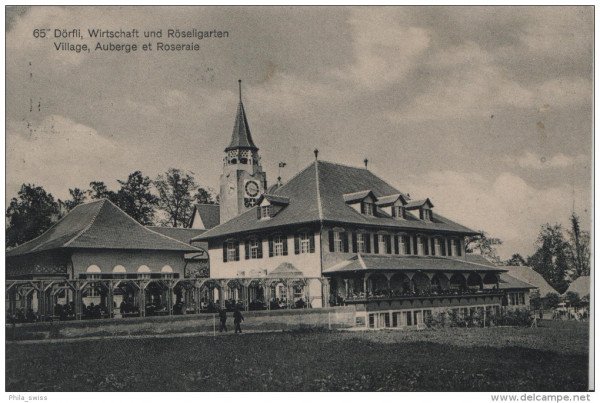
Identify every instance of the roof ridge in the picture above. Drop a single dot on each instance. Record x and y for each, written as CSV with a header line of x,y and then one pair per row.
x,y
52,226
87,227
292,178
466,261
143,226
318,184
168,237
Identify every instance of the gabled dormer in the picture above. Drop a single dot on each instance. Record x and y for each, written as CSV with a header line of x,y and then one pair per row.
x,y
424,207
270,205
363,202
393,205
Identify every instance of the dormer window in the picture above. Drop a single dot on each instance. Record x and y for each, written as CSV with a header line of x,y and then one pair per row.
x,y
425,214
367,208
398,212
265,212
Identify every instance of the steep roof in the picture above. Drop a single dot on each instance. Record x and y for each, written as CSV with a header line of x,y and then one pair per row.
x,y
581,286
210,215
316,194
530,276
99,225
429,263
184,235
508,282
241,137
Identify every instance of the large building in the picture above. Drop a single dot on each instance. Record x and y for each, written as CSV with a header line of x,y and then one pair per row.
x,y
336,234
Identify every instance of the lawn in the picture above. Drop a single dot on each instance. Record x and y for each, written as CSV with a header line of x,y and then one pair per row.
x,y
548,358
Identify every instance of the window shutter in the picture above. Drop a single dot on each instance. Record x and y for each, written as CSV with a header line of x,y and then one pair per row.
x,y
258,212
393,211
396,249
260,248
449,247
426,246
432,246
297,244
270,246
345,241
388,244
421,213
285,241
443,246
312,242
362,207
331,246
224,252
247,248
376,244
402,212
237,251
458,249
415,246
368,242
354,243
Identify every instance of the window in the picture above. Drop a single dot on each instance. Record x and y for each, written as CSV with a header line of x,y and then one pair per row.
x,y
265,212
425,214
304,243
398,211
360,243
406,241
455,249
367,208
437,246
231,250
420,248
521,298
92,292
254,248
338,243
277,245
381,243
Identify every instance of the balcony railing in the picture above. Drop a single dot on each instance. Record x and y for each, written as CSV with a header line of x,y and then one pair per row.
x,y
390,296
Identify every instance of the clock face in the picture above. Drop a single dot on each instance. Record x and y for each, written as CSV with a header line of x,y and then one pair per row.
x,y
252,188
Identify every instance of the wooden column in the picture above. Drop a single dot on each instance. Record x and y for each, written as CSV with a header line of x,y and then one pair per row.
x,y
170,297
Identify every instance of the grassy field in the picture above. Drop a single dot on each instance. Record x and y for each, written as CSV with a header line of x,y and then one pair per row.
x,y
548,358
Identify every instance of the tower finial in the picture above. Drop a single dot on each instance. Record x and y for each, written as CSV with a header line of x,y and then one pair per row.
x,y
240,88
316,154
366,163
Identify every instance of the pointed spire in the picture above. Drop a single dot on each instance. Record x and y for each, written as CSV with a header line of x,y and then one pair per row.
x,y
241,137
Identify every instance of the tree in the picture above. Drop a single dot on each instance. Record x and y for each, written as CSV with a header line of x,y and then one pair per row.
x,y
175,190
552,300
135,198
98,190
78,197
551,257
206,196
486,246
572,299
29,215
579,245
516,260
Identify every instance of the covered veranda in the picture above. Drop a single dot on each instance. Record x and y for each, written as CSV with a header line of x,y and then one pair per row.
x,y
365,278
30,300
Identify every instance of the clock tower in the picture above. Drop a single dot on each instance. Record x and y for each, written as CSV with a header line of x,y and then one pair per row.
x,y
243,180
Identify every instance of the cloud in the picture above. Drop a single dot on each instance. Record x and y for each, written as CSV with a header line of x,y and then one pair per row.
x,y
506,206
58,154
384,49
536,161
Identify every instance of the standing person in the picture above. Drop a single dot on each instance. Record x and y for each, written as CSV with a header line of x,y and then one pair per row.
x,y
223,319
237,319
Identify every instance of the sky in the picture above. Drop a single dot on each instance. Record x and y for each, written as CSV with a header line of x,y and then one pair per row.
x,y
488,111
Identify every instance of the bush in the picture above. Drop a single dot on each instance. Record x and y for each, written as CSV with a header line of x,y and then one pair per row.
x,y
516,317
